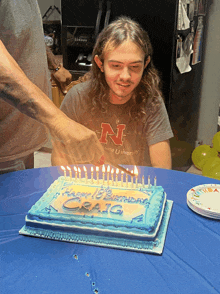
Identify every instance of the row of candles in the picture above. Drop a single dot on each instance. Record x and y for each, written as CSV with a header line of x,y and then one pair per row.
x,y
112,176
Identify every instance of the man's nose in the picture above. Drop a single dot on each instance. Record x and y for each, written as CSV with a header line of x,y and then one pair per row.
x,y
125,74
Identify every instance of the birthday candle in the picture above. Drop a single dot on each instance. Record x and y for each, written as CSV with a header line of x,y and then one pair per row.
x,y
136,175
132,180
108,171
117,171
112,176
92,174
155,181
70,171
64,170
148,182
143,181
86,175
79,170
103,174
97,174
75,169
122,176
126,179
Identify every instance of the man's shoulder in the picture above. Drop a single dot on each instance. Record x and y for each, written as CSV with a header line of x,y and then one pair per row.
x,y
80,88
77,96
155,105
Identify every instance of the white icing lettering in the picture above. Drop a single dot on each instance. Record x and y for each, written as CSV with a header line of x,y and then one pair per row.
x,y
50,209
107,205
132,200
105,194
85,195
87,205
75,198
96,207
67,203
138,218
116,209
100,194
94,193
107,197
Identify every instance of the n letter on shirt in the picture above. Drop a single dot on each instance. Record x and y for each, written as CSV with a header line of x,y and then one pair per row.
x,y
107,130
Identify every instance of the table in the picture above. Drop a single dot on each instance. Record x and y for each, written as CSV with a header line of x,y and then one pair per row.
x,y
190,262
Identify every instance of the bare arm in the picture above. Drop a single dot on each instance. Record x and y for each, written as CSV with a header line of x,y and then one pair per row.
x,y
19,91
160,155
62,76
52,63
15,88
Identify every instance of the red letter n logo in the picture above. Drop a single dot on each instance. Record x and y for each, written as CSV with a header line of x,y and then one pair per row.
x,y
107,130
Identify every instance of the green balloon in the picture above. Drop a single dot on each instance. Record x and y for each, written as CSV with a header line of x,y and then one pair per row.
x,y
214,173
201,154
210,164
216,141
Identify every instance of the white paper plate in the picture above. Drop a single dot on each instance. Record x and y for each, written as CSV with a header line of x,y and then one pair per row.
x,y
205,200
210,215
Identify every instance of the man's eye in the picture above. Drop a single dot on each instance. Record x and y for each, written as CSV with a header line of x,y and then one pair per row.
x,y
135,68
115,65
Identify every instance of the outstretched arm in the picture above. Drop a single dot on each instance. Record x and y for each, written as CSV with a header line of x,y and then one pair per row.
x,y
75,140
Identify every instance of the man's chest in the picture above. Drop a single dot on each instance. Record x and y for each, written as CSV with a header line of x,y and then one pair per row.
x,y
116,131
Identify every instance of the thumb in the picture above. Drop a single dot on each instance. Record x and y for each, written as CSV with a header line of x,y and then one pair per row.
x,y
101,161
63,88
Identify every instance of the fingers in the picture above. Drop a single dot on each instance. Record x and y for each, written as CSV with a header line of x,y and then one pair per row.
x,y
79,153
76,153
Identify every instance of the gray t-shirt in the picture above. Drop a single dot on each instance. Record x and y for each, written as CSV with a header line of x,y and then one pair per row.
x,y
125,140
21,32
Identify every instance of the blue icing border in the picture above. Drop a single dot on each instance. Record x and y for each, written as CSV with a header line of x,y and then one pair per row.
x,y
155,246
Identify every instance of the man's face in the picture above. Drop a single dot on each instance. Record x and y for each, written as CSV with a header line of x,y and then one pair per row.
x,y
123,69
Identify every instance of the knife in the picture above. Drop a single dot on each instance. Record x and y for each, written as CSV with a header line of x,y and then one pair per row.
x,y
121,168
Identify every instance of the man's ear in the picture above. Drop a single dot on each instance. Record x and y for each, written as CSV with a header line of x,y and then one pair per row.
x,y
147,62
98,62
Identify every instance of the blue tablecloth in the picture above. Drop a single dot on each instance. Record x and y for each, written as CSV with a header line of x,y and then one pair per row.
x,y
190,262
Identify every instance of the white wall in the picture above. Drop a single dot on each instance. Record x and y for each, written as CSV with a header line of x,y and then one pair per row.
x,y
210,96
45,4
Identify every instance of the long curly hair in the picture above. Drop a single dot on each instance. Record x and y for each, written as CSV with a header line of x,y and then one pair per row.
x,y
147,92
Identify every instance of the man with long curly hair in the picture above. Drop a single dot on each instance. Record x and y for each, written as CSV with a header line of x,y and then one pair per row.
x,y
121,101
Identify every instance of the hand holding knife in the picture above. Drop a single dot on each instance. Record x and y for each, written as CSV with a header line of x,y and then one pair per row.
x,y
115,165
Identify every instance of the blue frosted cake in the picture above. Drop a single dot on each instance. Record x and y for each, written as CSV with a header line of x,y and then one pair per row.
x,y
130,216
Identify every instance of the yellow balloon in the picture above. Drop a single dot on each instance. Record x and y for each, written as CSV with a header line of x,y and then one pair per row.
x,y
201,154
216,141
209,165
214,173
